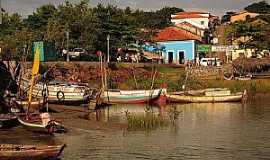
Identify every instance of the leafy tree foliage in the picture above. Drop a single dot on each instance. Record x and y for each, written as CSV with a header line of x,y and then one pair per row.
x,y
87,27
249,35
260,7
227,17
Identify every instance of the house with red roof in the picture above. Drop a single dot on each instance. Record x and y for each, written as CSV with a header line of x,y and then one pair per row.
x,y
179,44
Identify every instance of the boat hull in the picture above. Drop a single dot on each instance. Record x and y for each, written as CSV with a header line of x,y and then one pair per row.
x,y
134,96
36,105
41,123
34,127
205,99
8,121
60,93
26,152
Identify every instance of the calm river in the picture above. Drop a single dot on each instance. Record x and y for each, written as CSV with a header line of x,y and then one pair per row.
x,y
189,131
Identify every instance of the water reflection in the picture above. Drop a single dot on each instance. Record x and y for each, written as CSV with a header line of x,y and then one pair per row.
x,y
190,131
118,113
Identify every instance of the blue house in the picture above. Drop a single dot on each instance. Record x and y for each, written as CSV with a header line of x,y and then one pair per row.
x,y
179,45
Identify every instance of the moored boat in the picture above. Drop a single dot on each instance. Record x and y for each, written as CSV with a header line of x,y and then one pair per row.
x,y
208,97
59,92
157,96
8,121
27,152
36,105
41,123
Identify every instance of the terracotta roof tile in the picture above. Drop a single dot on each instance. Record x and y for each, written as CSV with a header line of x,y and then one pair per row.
x,y
184,16
175,34
192,12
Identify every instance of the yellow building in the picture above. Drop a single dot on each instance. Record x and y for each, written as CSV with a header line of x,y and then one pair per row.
x,y
243,16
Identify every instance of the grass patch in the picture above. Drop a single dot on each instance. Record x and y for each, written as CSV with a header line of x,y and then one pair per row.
x,y
146,122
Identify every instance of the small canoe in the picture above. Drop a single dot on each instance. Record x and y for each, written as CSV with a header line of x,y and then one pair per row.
x,y
27,152
132,96
41,123
8,121
237,97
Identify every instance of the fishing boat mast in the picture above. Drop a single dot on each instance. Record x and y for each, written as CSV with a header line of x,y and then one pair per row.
x,y
35,71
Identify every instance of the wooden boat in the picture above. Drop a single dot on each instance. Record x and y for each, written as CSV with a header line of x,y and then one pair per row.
x,y
38,122
207,97
157,96
239,78
243,78
36,105
59,91
260,76
27,152
41,123
202,91
8,121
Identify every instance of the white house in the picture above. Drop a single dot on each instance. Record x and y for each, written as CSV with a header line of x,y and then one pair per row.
x,y
198,19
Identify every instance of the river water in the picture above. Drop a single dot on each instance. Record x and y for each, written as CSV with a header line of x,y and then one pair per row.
x,y
183,131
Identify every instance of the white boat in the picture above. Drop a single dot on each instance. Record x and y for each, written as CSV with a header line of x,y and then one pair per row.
x,y
41,123
59,91
157,96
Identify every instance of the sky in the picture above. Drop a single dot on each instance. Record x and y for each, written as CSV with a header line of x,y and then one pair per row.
x,y
216,7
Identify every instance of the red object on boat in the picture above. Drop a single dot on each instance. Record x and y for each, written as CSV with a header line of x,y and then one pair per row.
x,y
161,100
99,53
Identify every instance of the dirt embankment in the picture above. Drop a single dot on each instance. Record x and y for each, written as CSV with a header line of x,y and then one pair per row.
x,y
123,76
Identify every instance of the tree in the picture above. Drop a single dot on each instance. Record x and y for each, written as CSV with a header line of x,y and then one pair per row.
x,y
260,7
227,17
247,35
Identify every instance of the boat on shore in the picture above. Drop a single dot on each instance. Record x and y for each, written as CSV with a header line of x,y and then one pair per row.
x,y
156,96
59,92
36,105
207,96
27,152
41,123
8,121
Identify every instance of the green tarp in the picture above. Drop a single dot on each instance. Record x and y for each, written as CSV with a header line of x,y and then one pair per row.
x,y
47,50
39,45
204,48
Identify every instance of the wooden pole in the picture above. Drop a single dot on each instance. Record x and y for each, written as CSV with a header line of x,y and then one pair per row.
x,y
134,77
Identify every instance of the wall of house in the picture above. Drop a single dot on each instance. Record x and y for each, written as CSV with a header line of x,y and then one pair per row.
x,y
188,47
194,21
243,16
192,29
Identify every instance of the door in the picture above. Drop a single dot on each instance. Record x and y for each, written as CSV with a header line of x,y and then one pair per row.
x,y
170,57
181,57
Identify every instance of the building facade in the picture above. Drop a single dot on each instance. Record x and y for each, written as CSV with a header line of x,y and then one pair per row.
x,y
179,46
243,16
200,20
178,52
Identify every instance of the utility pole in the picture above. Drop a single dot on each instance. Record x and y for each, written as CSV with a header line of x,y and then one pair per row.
x,y
108,48
108,37
67,34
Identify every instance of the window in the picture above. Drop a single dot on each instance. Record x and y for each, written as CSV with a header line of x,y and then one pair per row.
x,y
202,22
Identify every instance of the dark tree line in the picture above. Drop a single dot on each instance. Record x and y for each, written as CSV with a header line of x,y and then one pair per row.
x,y
86,26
